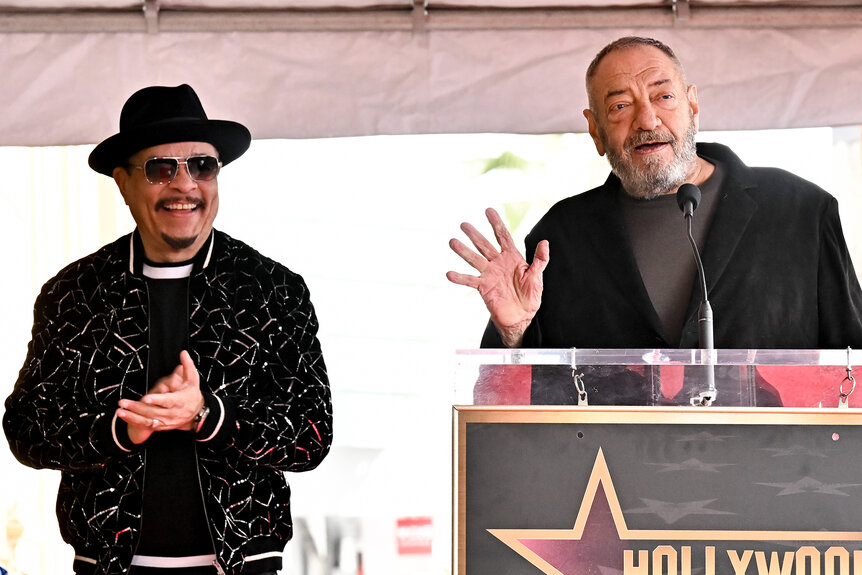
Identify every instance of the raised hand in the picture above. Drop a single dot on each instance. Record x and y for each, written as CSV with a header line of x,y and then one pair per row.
x,y
172,403
510,288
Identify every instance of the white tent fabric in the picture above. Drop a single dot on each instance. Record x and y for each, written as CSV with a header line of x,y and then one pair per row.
x,y
319,68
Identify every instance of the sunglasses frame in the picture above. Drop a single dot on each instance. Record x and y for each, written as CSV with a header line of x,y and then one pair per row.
x,y
180,160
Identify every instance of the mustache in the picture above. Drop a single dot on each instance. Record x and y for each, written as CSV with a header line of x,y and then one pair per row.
x,y
641,138
198,202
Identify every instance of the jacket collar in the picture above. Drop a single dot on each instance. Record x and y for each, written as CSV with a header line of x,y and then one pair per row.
x,y
136,254
736,207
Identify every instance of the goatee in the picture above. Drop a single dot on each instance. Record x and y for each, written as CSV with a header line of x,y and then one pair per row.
x,y
179,243
654,179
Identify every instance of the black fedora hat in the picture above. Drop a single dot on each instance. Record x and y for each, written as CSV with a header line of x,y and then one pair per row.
x,y
162,115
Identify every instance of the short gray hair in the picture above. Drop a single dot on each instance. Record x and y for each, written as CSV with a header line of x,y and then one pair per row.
x,y
625,43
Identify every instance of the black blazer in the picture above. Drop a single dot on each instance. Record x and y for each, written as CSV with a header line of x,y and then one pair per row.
x,y
778,271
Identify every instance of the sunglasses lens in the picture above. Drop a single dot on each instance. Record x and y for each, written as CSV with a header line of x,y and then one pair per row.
x,y
203,168
160,170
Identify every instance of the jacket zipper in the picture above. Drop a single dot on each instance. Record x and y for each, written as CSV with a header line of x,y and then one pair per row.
x,y
216,563
144,451
141,515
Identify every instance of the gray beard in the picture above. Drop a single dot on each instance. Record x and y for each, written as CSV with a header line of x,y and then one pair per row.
x,y
654,179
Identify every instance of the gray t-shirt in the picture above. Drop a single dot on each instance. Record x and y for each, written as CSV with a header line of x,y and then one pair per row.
x,y
657,231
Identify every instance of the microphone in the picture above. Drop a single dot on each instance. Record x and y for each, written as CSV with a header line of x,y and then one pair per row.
x,y
688,198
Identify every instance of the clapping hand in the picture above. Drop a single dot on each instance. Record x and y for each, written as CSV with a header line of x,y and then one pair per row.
x,y
172,403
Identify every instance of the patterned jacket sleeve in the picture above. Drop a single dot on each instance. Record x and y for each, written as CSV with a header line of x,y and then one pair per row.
x,y
51,420
282,418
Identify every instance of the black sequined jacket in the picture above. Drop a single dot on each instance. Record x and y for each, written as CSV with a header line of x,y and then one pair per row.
x,y
252,336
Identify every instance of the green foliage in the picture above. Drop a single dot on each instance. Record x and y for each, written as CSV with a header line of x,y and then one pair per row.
x,y
505,161
513,214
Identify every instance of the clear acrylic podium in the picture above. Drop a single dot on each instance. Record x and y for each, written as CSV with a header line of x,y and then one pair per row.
x,y
600,461
742,377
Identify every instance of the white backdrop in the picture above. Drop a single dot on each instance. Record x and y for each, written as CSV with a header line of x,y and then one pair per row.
x,y
339,69
368,224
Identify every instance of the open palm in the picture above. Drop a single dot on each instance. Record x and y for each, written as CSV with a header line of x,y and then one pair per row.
x,y
510,288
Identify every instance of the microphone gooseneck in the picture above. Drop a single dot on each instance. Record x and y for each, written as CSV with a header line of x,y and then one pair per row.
x,y
688,198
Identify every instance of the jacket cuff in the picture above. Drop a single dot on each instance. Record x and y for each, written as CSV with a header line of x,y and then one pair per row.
x,y
532,335
215,430
120,436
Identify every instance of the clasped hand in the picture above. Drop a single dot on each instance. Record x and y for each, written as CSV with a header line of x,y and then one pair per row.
x,y
510,288
172,403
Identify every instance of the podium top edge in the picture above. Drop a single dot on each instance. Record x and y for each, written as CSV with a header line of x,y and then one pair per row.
x,y
574,357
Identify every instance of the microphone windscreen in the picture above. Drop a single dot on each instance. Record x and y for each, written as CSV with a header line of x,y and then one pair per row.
x,y
688,193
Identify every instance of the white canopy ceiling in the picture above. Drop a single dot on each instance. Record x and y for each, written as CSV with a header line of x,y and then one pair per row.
x,y
317,68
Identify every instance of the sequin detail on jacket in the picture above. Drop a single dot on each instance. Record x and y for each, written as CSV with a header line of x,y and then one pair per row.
x,y
253,339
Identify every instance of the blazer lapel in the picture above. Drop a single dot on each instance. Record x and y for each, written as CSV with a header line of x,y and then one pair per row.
x,y
735,209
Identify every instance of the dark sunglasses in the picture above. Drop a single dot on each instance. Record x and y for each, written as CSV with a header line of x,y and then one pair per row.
x,y
163,170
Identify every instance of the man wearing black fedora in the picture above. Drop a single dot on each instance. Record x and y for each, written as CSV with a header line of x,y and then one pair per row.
x,y
174,375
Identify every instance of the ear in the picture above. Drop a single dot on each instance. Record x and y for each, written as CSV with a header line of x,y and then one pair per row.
x,y
121,178
594,131
695,108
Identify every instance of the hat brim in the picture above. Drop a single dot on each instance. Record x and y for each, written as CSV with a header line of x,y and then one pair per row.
x,y
231,139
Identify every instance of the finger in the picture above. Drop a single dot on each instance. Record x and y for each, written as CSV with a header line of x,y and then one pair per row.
x,y
463,279
135,418
179,370
541,257
136,407
161,400
482,244
160,387
501,232
158,418
190,372
468,255
172,382
142,414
